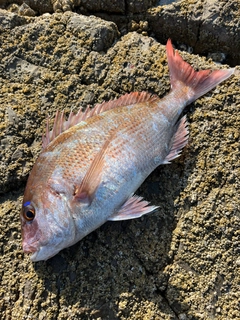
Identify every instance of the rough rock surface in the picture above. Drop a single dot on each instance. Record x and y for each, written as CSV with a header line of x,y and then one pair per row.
x,y
208,27
112,6
181,262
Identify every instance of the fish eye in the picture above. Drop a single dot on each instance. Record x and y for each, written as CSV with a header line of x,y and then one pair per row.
x,y
29,213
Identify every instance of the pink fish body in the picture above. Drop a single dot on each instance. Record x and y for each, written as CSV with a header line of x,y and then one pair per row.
x,y
92,164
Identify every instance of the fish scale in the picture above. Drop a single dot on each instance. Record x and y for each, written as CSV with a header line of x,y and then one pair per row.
x,y
130,125
92,163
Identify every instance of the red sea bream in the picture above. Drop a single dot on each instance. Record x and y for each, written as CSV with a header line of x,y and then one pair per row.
x,y
92,164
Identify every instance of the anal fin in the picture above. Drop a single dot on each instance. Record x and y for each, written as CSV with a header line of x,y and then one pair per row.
x,y
179,140
134,207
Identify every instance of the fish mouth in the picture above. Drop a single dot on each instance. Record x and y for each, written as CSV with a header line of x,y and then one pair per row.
x,y
30,248
34,255
42,255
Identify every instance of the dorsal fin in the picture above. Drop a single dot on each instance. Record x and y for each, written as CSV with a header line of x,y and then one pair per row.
x,y
60,124
91,181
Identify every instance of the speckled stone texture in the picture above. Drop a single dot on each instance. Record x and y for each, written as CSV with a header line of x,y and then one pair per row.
x,y
206,27
209,27
181,262
111,6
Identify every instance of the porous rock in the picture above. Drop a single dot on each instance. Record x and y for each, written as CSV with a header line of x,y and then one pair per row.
x,y
180,262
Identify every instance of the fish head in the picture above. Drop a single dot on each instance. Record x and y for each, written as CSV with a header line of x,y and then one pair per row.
x,y
46,219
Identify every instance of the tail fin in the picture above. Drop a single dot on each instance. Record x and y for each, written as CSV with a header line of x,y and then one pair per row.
x,y
182,74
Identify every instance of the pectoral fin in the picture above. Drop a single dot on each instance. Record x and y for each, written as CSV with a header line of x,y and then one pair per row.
x,y
90,183
134,207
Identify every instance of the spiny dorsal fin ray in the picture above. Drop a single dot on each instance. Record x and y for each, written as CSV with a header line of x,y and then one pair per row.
x,y
179,140
134,207
91,181
60,124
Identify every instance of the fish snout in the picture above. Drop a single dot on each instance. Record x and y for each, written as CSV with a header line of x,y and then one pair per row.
x,y
29,248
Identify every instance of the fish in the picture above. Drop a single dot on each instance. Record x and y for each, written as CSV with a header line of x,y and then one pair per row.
x,y
92,163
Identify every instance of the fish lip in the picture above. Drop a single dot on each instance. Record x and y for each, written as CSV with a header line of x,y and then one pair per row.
x,y
40,255
30,248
